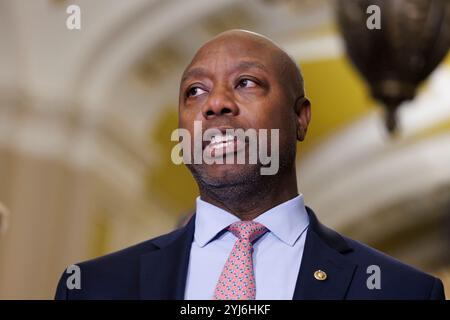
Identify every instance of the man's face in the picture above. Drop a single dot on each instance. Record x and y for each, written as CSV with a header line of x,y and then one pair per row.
x,y
237,83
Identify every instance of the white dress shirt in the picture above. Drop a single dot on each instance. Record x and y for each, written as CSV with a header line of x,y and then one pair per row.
x,y
276,258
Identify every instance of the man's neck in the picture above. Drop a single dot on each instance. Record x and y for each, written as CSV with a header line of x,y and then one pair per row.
x,y
248,202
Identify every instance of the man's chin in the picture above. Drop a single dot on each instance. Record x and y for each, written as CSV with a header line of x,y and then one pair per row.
x,y
223,175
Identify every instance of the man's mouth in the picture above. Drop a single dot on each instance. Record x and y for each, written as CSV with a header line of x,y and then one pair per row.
x,y
223,144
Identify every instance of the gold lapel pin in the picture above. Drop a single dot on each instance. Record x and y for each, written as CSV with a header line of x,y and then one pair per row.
x,y
320,275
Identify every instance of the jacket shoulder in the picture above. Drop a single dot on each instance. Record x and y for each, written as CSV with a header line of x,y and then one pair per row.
x,y
389,278
115,275
377,275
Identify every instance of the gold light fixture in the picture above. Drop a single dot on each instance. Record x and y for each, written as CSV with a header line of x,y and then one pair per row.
x,y
413,38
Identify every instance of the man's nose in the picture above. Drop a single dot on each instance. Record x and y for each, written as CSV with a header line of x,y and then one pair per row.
x,y
220,103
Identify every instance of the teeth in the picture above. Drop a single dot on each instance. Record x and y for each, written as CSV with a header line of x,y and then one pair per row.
x,y
221,145
221,139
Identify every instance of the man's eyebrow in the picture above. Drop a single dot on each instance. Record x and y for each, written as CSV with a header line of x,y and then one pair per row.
x,y
194,72
201,72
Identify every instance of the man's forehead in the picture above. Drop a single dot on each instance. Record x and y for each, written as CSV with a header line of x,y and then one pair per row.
x,y
234,54
240,45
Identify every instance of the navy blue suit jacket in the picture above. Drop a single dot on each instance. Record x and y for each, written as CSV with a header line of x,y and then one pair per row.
x,y
157,269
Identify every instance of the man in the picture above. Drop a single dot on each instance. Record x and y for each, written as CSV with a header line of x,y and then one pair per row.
x,y
251,236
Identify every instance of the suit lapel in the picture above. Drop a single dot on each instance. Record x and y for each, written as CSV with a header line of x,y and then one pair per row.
x,y
324,250
163,271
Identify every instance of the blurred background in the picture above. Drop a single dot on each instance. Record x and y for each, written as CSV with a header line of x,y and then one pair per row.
x,y
86,117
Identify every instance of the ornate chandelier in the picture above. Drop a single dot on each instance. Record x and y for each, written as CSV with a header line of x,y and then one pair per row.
x,y
412,38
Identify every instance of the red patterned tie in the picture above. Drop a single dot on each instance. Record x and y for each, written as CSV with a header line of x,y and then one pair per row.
x,y
237,281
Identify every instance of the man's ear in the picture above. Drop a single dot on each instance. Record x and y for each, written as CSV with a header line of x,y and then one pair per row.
x,y
303,111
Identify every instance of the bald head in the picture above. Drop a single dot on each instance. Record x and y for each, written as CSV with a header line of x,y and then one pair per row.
x,y
287,70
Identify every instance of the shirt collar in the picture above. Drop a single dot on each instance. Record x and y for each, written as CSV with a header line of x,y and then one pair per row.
x,y
209,221
287,221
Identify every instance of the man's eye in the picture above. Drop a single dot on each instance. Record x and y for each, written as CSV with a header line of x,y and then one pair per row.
x,y
246,83
194,91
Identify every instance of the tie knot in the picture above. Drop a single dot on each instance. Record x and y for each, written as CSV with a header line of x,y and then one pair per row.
x,y
248,230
